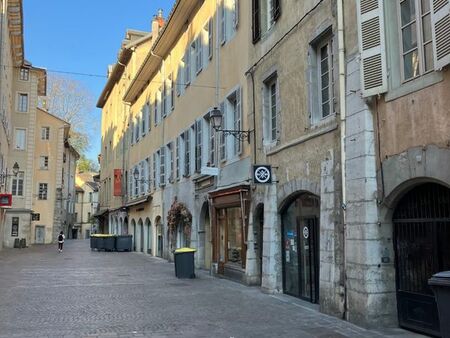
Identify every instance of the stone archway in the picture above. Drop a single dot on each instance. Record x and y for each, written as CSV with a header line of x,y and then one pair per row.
x,y
204,251
159,237
132,231
148,236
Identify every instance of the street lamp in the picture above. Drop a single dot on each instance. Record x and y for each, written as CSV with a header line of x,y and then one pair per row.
x,y
216,117
136,176
15,171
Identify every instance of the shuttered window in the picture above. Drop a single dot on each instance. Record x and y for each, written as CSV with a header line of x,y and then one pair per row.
x,y
440,25
372,47
222,143
198,145
162,167
264,14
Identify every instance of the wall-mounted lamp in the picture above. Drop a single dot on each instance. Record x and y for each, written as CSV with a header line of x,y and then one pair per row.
x,y
216,117
15,172
136,176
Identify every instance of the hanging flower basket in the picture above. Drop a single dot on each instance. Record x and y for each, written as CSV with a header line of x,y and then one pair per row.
x,y
179,215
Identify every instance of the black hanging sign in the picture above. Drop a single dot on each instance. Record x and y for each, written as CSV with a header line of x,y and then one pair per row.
x,y
262,174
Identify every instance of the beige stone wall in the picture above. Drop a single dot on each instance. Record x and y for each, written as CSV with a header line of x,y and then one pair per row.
x,y
416,119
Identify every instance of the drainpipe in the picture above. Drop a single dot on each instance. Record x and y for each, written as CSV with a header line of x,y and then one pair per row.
x,y
342,111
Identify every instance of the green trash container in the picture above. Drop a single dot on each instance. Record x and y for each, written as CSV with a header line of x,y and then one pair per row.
x,y
440,284
184,262
123,242
109,243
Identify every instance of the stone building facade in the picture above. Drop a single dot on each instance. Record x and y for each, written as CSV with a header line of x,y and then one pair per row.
x,y
348,116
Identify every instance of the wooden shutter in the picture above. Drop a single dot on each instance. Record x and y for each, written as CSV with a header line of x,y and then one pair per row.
x,y
256,22
236,14
440,23
276,9
372,47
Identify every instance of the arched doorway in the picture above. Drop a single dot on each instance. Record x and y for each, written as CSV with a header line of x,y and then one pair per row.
x,y
300,246
125,226
258,225
133,232
159,236
204,238
140,236
421,243
149,237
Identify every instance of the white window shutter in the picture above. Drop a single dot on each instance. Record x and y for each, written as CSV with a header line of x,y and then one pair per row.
x,y
440,27
372,47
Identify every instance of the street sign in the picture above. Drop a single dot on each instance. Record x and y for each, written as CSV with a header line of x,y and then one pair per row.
x,y
211,171
262,174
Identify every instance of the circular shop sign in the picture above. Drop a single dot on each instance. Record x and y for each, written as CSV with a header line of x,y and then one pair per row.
x,y
262,174
305,232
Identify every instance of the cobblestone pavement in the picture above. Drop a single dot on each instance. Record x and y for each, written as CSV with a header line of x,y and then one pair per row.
x,y
84,293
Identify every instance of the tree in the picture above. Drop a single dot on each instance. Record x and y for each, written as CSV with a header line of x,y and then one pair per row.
x,y
70,100
85,164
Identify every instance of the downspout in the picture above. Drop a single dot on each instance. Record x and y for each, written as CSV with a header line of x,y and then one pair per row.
x,y
342,111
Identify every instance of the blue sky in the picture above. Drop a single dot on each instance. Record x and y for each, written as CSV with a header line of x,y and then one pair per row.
x,y
84,36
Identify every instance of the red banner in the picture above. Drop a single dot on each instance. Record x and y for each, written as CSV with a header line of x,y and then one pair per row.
x,y
117,182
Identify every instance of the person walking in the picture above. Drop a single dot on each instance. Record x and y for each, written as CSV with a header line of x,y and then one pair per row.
x,y
61,238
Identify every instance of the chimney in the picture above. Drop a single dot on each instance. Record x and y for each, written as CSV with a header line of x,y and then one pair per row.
x,y
157,22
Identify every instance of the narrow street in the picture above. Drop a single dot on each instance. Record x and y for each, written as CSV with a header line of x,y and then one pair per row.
x,y
83,293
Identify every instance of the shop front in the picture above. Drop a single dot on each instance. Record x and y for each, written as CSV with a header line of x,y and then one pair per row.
x,y
300,247
230,224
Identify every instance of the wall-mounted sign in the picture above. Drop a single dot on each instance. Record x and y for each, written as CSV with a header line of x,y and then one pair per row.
x,y
262,174
211,171
15,227
305,232
5,200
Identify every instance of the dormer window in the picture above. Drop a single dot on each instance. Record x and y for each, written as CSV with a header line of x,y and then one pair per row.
x,y
24,74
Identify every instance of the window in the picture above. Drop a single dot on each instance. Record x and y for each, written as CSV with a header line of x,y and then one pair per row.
x,y
416,38
198,50
234,102
177,159
180,84
132,134
42,193
210,31
235,12
271,110
264,14
171,90
137,131
90,197
187,153
135,182
162,167
223,27
187,68
198,145
24,74
171,162
165,104
222,145
15,226
43,162
20,139
147,174
325,79
156,119
17,184
212,144
22,102
148,108
45,133
154,174
142,178
144,120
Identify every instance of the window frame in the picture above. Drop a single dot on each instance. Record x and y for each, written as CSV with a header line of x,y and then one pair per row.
x,y
24,130
43,162
328,42
22,72
16,182
43,191
45,133
420,43
20,102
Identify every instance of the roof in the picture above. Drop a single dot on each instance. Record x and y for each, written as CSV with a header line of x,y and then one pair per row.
x,y
78,189
162,45
67,124
123,58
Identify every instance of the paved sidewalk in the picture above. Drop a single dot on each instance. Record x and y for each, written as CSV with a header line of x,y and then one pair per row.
x,y
84,293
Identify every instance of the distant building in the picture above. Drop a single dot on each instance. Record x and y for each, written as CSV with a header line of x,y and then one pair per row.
x,y
86,205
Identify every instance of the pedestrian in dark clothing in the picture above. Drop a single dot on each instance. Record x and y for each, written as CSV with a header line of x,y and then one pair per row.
x,y
61,238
